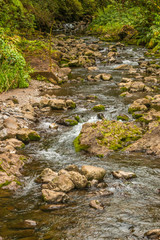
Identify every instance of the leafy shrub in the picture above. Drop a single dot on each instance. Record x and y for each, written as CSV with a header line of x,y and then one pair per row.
x,y
13,69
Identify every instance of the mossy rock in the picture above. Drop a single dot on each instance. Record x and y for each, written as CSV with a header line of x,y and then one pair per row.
x,y
34,136
70,122
123,117
6,183
102,137
78,146
99,108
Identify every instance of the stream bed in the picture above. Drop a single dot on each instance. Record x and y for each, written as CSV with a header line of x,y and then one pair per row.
x,y
133,209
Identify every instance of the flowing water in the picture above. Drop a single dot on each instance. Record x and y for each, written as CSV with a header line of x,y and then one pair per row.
x,y
129,213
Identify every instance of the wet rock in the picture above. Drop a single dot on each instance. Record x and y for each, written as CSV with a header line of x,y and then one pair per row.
x,y
106,77
61,183
100,116
149,143
53,207
122,174
53,126
96,204
91,69
93,183
55,197
104,193
99,108
30,223
47,176
57,104
79,180
150,79
72,168
102,185
115,135
70,104
123,117
153,234
26,135
92,172
123,67
67,122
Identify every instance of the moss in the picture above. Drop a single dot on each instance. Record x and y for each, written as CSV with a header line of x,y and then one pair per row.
x,y
137,115
77,118
99,108
6,183
33,136
18,182
132,110
123,117
70,122
23,158
78,146
124,89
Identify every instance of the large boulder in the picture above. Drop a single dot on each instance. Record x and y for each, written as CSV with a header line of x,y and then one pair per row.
x,y
102,137
53,196
92,172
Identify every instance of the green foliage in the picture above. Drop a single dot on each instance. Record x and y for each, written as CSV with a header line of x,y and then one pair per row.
x,y
13,70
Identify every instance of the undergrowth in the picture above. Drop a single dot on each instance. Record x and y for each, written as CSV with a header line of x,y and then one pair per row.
x,y
13,68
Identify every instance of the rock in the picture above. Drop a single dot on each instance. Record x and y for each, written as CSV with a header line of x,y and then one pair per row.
x,y
153,234
100,116
102,185
70,104
74,63
92,172
53,126
72,168
149,143
98,77
96,204
47,176
123,67
15,143
53,207
115,136
151,79
30,224
92,69
99,108
111,54
137,87
25,135
55,197
123,117
79,180
104,193
106,77
61,183
57,104
122,174
11,123
67,122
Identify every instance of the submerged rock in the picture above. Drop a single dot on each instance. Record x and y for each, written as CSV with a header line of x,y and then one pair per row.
x,y
102,137
96,204
122,174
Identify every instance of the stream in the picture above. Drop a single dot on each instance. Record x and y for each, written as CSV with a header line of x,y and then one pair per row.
x,y
129,213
